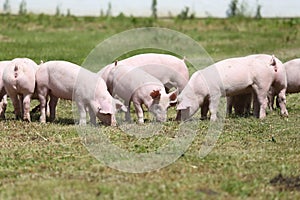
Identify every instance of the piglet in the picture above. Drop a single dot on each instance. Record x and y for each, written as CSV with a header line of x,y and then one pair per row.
x,y
62,79
19,83
133,84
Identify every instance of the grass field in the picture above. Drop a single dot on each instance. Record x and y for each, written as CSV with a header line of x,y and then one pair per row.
x,y
49,161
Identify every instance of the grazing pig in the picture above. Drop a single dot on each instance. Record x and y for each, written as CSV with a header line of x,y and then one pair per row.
x,y
19,82
232,77
3,96
292,69
133,84
170,70
62,79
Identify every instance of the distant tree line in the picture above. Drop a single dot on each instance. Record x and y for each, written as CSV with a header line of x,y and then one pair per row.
x,y
241,9
235,9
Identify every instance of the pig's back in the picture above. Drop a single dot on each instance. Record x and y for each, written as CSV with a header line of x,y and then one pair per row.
x,y
61,78
126,80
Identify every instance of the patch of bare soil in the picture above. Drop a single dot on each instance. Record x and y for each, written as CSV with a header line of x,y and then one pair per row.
x,y
286,183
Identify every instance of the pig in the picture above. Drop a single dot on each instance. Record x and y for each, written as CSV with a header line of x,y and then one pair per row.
x,y
292,69
19,83
170,70
134,84
230,77
3,96
62,79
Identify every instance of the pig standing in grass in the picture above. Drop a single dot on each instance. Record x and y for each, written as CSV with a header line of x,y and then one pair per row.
x,y
170,70
292,69
133,84
3,96
232,77
62,79
19,82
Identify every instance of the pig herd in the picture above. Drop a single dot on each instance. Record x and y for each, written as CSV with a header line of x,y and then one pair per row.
x,y
156,81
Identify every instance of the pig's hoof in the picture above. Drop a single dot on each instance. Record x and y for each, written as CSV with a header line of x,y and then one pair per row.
x,y
141,122
42,120
26,120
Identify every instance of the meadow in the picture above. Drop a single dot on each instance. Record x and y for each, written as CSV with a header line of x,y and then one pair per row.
x,y
252,159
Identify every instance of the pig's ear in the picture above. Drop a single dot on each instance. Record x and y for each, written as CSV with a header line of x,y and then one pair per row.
x,y
173,98
184,104
273,63
155,94
105,108
120,105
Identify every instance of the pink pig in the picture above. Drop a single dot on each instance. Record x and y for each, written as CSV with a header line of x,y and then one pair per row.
x,y
170,70
232,77
292,69
62,79
3,96
19,82
134,84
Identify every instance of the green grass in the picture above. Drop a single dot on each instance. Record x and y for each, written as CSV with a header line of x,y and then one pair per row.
x,y
49,161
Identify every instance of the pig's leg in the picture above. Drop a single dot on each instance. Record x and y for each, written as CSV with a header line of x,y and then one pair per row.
x,y
139,112
255,105
282,103
271,97
263,107
204,109
127,114
229,105
213,107
48,109
92,115
42,94
82,113
16,103
20,97
248,104
52,106
262,100
26,107
3,107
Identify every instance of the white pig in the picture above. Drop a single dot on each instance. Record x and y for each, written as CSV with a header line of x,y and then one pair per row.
x,y
3,96
292,69
19,82
232,77
170,70
62,79
133,84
